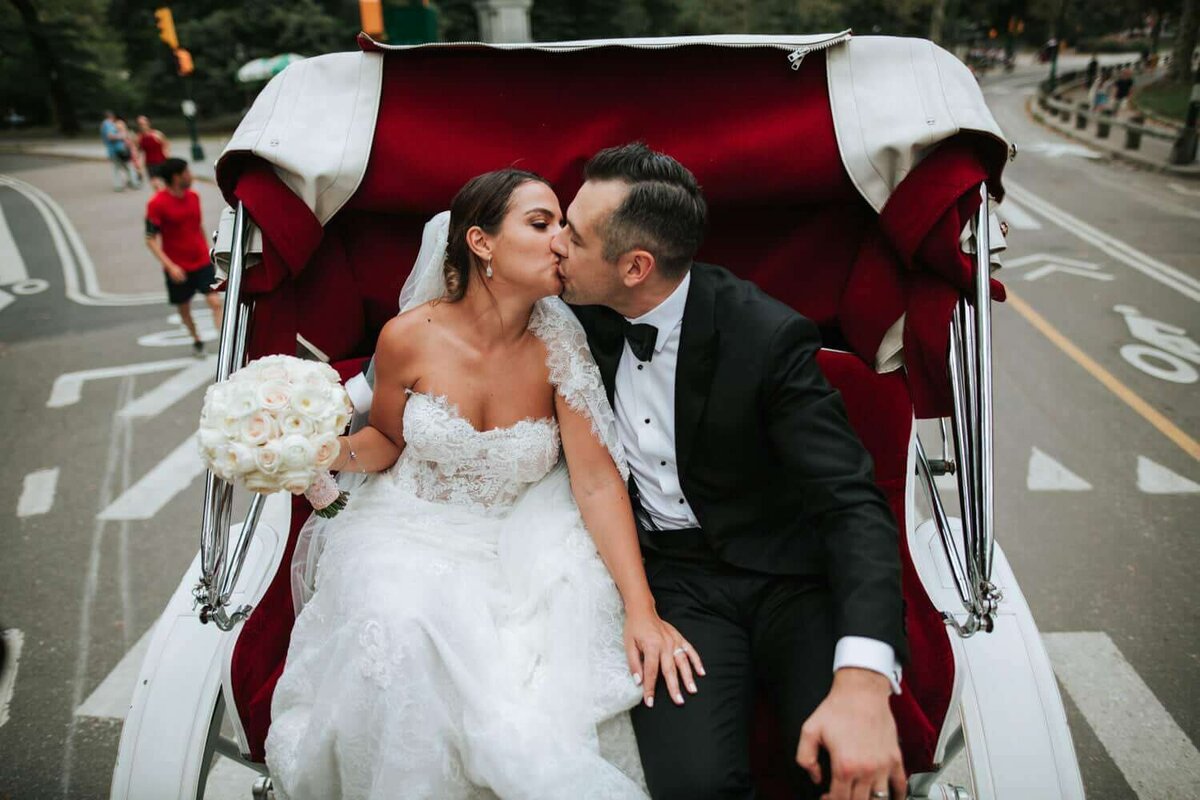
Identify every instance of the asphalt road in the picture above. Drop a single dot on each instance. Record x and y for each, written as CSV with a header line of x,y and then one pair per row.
x,y
1097,482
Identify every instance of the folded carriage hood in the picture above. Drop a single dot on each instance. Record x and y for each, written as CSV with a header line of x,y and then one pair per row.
x,y
892,99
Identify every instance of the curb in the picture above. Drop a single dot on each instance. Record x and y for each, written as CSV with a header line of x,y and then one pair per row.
x,y
37,151
1191,172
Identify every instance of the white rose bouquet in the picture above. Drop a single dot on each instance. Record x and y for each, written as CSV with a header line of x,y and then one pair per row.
x,y
274,424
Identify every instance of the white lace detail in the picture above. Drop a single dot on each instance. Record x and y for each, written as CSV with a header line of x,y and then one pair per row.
x,y
574,373
446,460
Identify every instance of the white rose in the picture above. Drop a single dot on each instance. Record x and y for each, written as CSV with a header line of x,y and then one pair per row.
x,y
311,400
242,400
295,481
242,458
296,424
208,438
230,425
267,456
257,428
327,448
263,484
220,461
274,395
296,453
272,372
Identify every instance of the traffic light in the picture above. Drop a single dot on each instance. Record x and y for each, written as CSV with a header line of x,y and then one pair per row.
x,y
371,12
184,59
166,27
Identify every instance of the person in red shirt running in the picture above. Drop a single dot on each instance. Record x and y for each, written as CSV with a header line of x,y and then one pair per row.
x,y
155,149
175,235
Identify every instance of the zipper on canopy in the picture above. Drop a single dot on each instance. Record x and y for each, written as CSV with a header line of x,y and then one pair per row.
x,y
796,57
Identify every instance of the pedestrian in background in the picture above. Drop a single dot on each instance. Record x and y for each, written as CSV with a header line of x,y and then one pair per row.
x,y
117,150
135,158
1122,86
175,234
1093,69
154,148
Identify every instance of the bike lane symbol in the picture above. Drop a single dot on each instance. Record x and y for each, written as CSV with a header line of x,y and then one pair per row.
x,y
1167,352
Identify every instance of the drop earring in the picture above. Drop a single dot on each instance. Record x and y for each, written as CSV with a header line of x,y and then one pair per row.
x,y
488,271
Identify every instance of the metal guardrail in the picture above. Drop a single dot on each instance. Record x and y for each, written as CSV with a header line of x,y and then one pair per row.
x,y
1050,101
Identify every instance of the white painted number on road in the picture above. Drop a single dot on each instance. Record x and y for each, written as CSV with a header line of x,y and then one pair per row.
x,y
1167,353
1045,264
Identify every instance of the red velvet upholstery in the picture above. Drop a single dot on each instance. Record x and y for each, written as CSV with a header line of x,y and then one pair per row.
x,y
783,213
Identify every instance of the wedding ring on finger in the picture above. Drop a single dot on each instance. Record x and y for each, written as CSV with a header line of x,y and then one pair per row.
x,y
680,651
880,795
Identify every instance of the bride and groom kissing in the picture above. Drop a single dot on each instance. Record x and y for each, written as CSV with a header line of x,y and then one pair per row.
x,y
592,528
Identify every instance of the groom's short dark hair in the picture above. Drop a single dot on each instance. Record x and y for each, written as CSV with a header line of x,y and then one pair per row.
x,y
663,213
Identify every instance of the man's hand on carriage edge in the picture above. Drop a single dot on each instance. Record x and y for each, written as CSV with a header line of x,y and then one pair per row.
x,y
854,723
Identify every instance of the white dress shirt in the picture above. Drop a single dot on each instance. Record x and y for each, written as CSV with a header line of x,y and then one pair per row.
x,y
644,402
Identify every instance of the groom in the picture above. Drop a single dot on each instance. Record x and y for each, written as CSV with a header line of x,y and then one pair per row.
x,y
767,543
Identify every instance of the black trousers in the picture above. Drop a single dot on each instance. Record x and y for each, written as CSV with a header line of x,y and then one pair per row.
x,y
754,632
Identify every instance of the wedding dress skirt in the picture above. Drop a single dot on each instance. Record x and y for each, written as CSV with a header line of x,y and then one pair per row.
x,y
464,640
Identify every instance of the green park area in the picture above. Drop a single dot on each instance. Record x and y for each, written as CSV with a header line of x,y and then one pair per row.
x,y
1166,99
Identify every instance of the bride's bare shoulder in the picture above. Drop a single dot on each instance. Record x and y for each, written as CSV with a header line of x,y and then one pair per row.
x,y
409,333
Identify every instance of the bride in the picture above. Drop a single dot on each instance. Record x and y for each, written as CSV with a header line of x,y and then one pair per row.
x,y
478,622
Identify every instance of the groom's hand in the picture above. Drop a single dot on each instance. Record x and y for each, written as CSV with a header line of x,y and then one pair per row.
x,y
854,723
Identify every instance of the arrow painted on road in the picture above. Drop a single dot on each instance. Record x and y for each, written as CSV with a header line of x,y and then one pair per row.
x,y
1154,478
1050,264
172,390
68,387
1047,475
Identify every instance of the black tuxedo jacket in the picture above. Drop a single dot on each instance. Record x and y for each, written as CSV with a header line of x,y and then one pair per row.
x,y
767,459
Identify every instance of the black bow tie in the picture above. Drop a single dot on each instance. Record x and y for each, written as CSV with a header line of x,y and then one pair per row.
x,y
641,340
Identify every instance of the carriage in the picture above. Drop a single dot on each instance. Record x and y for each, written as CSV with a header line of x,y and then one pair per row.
x,y
851,177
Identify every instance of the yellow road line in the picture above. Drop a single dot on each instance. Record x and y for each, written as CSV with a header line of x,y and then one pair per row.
x,y
1127,395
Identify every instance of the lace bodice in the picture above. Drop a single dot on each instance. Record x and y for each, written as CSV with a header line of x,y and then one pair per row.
x,y
446,460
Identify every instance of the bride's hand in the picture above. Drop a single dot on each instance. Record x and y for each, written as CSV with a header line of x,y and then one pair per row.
x,y
652,646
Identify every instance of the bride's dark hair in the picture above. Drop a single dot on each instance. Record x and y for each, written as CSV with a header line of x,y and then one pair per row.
x,y
483,201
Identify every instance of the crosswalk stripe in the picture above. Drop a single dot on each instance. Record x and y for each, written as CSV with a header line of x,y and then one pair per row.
x,y
1143,740
159,486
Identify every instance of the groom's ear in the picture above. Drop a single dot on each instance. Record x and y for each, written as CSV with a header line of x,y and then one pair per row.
x,y
639,265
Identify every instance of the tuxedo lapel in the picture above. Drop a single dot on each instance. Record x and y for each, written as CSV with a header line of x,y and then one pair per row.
x,y
696,362
607,344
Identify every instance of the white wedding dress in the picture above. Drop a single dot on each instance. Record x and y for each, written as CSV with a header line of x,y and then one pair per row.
x,y
464,639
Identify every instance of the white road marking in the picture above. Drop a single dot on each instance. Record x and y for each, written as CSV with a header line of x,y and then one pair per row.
x,y
157,487
6,299
172,390
68,387
91,578
1165,274
1179,188
1017,217
1167,351
1151,750
13,640
1047,475
1049,264
179,336
79,273
12,263
112,697
1057,149
37,492
1154,478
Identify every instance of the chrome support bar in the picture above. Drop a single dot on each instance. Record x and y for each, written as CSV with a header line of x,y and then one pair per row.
x,y
219,573
969,365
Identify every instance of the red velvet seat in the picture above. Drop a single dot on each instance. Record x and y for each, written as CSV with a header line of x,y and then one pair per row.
x,y
783,213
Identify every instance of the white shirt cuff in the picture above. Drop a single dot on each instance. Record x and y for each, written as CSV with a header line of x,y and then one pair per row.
x,y
872,654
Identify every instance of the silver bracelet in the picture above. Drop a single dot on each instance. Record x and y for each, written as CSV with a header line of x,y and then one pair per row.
x,y
353,456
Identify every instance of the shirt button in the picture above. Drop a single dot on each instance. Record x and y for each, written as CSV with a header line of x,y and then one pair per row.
x,y
641,365
647,421
681,501
662,463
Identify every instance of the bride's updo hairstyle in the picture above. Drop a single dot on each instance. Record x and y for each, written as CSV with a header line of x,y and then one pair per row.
x,y
484,201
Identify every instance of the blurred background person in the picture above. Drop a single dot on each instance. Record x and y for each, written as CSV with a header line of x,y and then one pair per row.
x,y
154,148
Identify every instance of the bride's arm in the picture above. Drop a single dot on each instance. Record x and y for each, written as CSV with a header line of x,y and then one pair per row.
x,y
379,443
651,644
